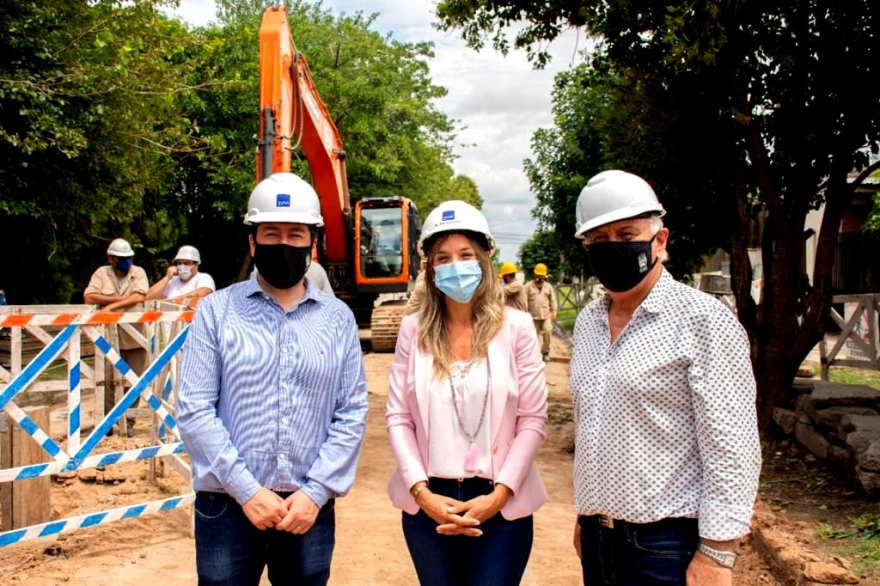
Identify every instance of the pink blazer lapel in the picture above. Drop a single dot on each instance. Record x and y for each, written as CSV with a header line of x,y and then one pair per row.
x,y
502,381
423,369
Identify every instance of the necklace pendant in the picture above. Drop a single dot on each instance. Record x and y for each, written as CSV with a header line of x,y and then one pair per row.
x,y
470,461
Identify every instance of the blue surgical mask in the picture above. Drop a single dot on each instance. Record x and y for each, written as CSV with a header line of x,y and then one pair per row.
x,y
123,265
459,280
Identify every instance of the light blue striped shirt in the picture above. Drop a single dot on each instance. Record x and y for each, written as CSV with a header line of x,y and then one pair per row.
x,y
272,399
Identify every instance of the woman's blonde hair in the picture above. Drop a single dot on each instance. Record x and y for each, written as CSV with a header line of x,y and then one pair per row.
x,y
488,308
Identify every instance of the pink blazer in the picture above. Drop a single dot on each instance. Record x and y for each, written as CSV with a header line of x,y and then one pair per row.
x,y
518,413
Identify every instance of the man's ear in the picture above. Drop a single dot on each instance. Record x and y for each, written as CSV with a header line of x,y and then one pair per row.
x,y
662,239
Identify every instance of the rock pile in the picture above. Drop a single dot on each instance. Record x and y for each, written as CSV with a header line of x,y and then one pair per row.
x,y
840,424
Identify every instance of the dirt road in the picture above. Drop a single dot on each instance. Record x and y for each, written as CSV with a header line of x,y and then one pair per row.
x,y
370,547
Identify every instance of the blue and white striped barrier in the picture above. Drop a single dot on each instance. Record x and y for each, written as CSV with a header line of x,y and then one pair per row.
x,y
77,454
94,519
37,470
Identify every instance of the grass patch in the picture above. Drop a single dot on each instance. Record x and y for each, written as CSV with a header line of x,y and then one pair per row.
x,y
566,318
57,371
841,519
855,376
859,541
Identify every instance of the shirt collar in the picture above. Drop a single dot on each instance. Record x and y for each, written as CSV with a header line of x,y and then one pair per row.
x,y
253,288
660,292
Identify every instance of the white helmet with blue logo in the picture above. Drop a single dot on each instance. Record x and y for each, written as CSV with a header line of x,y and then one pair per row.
x,y
455,216
284,197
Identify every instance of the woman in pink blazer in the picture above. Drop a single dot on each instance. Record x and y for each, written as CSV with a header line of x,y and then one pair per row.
x,y
466,413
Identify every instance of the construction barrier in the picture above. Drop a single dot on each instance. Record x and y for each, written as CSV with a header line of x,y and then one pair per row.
x,y
161,331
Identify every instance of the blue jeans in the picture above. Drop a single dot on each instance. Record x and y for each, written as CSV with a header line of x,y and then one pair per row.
x,y
496,558
231,551
637,554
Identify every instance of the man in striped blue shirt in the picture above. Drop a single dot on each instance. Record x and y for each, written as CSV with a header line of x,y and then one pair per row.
x,y
272,405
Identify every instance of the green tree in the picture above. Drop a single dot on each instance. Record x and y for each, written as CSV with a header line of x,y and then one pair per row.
x,y
777,96
565,156
541,247
87,129
377,90
604,120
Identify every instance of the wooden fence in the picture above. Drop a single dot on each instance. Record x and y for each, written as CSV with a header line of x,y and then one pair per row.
x,y
858,334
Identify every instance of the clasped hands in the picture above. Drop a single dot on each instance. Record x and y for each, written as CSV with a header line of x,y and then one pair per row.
x,y
456,517
296,514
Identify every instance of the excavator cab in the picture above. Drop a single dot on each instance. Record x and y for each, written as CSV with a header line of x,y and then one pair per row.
x,y
386,234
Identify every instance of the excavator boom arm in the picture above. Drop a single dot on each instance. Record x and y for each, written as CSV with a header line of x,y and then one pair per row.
x,y
293,114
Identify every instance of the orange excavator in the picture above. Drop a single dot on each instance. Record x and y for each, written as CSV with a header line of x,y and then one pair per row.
x,y
367,250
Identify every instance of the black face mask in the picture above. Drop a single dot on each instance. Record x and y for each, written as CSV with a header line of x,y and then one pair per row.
x,y
282,266
620,266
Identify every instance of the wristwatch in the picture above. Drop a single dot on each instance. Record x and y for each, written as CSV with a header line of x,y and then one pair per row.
x,y
725,559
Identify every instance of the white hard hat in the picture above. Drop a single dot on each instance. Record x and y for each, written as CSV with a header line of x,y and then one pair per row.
x,y
120,247
611,196
188,253
454,216
284,197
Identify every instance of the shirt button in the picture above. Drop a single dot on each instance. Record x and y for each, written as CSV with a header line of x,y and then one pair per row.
x,y
282,456
284,349
284,420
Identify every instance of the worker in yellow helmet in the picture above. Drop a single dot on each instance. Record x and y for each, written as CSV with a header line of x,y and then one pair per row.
x,y
542,305
514,291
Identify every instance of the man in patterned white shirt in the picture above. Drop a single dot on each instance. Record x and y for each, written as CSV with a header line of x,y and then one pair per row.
x,y
667,456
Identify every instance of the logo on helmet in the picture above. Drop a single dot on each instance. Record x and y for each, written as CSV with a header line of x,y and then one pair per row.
x,y
282,200
448,215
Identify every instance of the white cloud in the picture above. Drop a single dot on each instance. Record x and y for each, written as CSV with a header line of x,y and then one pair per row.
x,y
196,12
498,101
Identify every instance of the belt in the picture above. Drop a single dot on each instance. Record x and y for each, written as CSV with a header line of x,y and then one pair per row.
x,y
606,521
609,522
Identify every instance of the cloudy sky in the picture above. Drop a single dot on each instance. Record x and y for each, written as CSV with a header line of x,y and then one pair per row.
x,y
498,103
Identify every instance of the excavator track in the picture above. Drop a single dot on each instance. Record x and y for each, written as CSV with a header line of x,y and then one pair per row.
x,y
385,324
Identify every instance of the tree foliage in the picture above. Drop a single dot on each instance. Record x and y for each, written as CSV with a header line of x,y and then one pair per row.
x,y
541,247
377,90
87,130
116,120
737,113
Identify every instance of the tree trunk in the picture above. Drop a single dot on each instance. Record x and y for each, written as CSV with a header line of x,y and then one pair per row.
x,y
795,311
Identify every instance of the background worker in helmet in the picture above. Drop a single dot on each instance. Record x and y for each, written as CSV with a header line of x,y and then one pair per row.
x,y
542,305
666,442
514,291
183,281
466,413
121,286
272,404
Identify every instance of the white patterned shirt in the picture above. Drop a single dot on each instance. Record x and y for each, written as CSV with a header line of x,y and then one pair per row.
x,y
665,421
